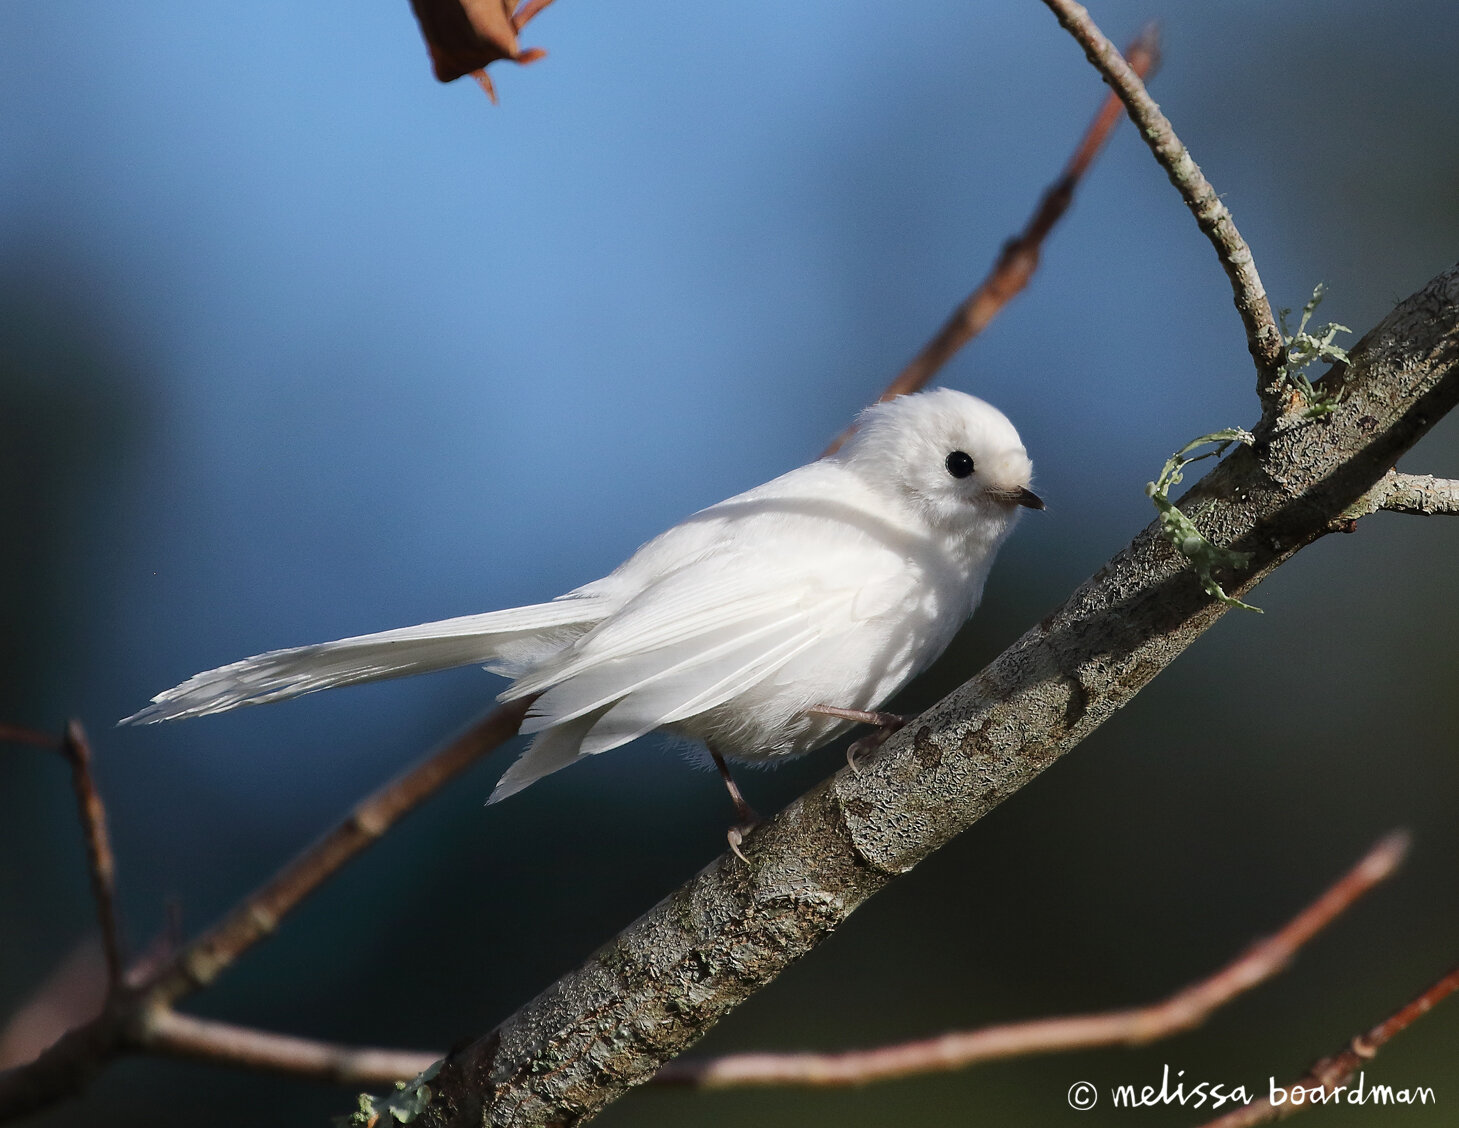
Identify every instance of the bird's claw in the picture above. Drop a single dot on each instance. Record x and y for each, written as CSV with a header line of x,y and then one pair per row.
x,y
857,748
736,836
886,724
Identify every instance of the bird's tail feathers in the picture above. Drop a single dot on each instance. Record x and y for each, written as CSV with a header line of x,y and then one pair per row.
x,y
503,641
552,749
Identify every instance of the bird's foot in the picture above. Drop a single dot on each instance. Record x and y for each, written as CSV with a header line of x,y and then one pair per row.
x,y
886,724
736,836
748,820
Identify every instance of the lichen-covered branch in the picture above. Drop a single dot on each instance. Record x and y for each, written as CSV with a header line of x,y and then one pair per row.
x,y
656,988
1419,494
1182,1011
1263,337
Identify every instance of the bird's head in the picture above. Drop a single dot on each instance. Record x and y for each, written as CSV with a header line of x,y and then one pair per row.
x,y
955,458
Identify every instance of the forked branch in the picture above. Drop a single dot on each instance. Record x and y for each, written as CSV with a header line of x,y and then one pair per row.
x,y
140,1011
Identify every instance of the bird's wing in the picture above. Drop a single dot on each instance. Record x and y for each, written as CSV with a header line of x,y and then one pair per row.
x,y
670,687
699,637
500,638
684,693
689,606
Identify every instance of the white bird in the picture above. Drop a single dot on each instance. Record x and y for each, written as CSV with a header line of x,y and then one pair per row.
x,y
761,626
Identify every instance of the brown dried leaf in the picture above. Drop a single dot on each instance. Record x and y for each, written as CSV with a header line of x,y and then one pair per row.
x,y
464,36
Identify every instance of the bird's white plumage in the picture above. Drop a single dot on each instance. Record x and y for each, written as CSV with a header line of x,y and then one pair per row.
x,y
833,584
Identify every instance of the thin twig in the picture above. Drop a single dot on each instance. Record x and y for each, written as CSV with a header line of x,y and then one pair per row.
x,y
181,1035
1182,1011
1263,337
1019,258
1335,1070
1422,495
1419,494
99,855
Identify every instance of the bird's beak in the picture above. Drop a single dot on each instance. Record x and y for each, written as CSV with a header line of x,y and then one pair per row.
x,y
1022,496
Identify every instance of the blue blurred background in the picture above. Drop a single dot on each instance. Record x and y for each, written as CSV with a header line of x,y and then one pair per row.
x,y
295,344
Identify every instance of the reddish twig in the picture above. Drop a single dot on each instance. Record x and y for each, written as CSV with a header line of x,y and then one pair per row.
x,y
1182,1011
165,1031
1335,1070
1263,338
92,811
1019,258
98,848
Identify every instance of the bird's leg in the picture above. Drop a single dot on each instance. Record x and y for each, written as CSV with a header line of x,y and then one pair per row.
x,y
886,724
743,811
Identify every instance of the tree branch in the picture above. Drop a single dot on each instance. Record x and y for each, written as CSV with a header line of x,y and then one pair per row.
x,y
664,981
1263,337
1419,494
1184,1010
166,1031
99,855
1336,1069
1019,257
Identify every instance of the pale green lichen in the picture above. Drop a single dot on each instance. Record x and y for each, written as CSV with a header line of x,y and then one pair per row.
x,y
1305,349
402,1106
1181,531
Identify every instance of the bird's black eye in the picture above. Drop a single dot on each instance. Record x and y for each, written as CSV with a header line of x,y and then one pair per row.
x,y
959,464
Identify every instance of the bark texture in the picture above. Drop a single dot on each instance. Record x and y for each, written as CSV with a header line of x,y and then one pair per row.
x,y
665,980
